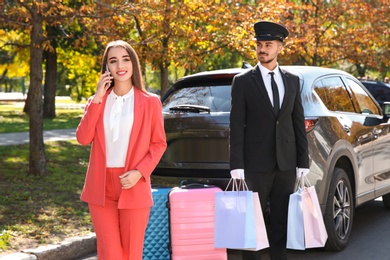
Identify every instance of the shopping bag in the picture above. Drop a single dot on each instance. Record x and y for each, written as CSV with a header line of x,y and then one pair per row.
x,y
314,226
234,220
295,228
261,231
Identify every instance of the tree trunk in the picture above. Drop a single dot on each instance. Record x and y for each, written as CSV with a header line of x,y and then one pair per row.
x,y
27,103
361,69
164,79
164,64
38,164
49,105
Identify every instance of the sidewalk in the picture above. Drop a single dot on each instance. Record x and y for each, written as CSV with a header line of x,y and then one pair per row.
x,y
74,248
48,135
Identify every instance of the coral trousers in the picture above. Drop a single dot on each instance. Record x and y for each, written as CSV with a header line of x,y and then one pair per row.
x,y
119,232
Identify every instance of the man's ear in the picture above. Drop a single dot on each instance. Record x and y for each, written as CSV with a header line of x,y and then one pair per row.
x,y
280,47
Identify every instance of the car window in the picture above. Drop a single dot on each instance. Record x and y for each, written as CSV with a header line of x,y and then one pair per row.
x,y
333,94
216,98
365,104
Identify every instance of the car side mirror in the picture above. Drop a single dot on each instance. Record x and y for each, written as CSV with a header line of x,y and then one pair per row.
x,y
386,110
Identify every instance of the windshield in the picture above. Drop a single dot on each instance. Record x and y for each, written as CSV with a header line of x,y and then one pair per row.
x,y
216,98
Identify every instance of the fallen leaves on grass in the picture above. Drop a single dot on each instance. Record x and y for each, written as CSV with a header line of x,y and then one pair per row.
x,y
42,210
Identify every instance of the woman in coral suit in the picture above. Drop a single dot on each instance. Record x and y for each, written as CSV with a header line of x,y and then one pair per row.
x,y
124,125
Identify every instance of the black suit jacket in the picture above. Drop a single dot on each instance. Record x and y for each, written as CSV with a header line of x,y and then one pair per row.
x,y
258,139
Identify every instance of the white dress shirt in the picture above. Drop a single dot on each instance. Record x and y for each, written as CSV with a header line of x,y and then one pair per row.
x,y
267,81
118,124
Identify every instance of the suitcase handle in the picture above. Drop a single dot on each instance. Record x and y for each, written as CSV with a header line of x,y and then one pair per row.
x,y
195,186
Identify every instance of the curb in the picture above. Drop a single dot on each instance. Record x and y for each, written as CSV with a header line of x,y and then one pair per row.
x,y
70,248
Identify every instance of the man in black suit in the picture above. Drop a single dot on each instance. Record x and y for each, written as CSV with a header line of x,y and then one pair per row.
x,y
268,144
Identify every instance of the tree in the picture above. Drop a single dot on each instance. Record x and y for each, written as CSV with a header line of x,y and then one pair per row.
x,y
82,72
183,33
31,17
37,162
183,37
366,36
49,94
14,59
313,25
330,33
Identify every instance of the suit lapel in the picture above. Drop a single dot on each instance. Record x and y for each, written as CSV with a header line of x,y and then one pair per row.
x,y
287,90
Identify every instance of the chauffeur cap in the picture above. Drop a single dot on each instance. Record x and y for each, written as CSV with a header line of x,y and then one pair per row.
x,y
265,30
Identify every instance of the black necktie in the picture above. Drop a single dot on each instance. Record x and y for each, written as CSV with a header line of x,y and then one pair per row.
x,y
275,94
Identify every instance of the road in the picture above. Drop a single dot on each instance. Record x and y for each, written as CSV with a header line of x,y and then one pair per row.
x,y
370,239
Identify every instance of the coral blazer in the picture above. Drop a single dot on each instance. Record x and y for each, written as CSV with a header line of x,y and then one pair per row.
x,y
146,146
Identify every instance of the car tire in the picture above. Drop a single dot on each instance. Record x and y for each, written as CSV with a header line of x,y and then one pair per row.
x,y
339,211
386,201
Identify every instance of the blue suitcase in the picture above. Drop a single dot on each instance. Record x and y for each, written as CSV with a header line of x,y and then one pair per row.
x,y
157,232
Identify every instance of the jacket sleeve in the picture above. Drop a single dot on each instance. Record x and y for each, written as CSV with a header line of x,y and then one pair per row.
x,y
237,124
85,131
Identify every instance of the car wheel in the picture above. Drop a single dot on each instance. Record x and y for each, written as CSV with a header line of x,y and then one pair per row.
x,y
386,201
339,211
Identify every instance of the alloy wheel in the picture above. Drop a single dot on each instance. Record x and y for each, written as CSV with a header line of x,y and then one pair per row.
x,y
342,209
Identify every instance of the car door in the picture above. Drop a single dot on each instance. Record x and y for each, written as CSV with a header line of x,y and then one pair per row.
x,y
380,133
351,132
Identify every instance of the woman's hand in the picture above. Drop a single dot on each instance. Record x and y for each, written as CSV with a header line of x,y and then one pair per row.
x,y
130,178
102,87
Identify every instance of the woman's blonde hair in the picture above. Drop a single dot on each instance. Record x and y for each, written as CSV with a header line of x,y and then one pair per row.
x,y
137,74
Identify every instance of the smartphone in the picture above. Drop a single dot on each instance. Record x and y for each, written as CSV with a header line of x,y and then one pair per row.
x,y
107,70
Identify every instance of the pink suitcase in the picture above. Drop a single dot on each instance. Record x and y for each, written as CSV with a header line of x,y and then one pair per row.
x,y
191,219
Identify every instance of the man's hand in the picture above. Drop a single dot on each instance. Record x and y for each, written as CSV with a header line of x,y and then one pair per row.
x,y
237,174
301,172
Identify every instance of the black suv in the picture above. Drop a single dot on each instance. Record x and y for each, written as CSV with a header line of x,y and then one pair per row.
x,y
348,134
379,89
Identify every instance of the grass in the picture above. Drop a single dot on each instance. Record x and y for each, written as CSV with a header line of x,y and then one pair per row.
x,y
35,210
44,210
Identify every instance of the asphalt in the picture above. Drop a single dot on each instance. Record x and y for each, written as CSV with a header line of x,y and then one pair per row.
x,y
74,248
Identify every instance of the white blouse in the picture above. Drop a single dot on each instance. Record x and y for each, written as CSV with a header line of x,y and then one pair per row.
x,y
118,124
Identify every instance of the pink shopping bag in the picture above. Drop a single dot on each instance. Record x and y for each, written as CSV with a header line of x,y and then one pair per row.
x,y
261,231
314,226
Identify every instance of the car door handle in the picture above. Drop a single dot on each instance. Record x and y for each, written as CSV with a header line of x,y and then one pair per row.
x,y
376,132
347,129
